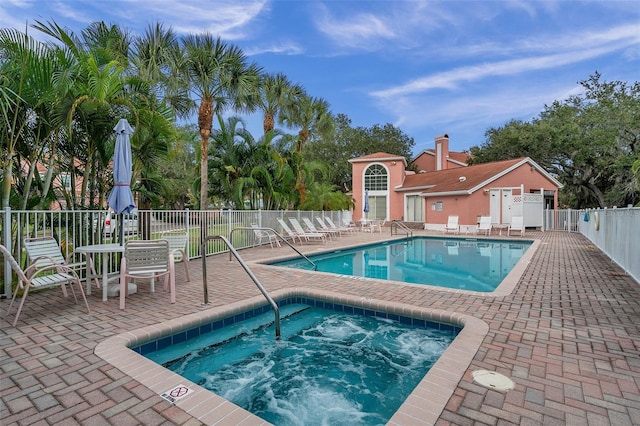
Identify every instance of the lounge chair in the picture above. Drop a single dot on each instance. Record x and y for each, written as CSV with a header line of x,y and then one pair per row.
x,y
452,225
149,259
329,222
484,225
45,251
312,228
300,231
262,234
326,228
517,224
178,246
36,276
288,231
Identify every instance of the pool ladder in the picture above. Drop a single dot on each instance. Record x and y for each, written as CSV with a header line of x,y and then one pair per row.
x,y
233,252
397,227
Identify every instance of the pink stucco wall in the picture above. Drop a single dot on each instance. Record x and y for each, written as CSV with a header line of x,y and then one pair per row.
x,y
467,207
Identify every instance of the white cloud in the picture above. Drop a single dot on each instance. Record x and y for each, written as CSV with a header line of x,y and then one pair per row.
x,y
575,49
357,30
285,48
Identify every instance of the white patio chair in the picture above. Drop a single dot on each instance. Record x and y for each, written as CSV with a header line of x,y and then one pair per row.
x,y
332,225
484,225
147,259
298,229
37,276
452,225
45,251
178,246
312,228
289,231
517,224
261,234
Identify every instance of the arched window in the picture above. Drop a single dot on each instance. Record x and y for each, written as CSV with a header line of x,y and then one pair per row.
x,y
375,178
376,184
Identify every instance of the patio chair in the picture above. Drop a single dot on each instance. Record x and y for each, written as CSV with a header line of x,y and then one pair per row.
x,y
35,277
147,259
261,234
45,251
298,229
178,246
452,225
517,224
484,225
332,225
289,231
312,228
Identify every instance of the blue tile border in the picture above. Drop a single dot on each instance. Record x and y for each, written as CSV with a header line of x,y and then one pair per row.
x,y
184,335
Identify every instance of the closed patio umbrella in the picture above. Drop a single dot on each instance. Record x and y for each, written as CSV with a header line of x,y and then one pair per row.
x,y
366,202
121,198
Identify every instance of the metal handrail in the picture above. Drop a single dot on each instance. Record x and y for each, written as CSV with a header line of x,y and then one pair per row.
x,y
283,239
402,226
233,251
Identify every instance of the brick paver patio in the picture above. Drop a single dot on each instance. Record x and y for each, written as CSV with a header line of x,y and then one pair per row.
x,y
568,336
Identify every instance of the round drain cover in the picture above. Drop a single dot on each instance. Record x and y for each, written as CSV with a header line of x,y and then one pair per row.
x,y
493,380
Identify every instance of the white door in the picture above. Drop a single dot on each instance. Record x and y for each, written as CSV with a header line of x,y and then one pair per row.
x,y
494,206
507,199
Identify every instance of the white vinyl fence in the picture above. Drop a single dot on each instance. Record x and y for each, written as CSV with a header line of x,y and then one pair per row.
x,y
73,228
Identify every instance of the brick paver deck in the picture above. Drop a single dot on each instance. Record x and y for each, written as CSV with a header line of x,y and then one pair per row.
x,y
568,336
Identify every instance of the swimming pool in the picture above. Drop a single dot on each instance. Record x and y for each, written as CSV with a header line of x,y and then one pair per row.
x,y
335,364
469,264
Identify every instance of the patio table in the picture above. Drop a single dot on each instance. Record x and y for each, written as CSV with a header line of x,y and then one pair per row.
x,y
105,250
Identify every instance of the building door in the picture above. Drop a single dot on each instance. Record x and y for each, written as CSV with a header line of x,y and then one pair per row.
x,y
507,199
494,205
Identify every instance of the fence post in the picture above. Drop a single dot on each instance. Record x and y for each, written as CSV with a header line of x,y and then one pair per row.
x,y
6,226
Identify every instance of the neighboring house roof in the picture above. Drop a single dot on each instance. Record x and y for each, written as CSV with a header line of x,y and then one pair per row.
x,y
466,180
459,158
380,156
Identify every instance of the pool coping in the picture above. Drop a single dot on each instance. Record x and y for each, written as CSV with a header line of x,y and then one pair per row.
x,y
505,288
424,404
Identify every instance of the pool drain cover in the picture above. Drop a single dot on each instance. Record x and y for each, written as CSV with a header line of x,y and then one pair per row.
x,y
493,380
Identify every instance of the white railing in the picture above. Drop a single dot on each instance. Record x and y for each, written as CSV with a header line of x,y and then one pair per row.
x,y
75,228
616,232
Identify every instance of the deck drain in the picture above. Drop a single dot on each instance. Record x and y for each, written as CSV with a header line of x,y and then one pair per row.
x,y
493,380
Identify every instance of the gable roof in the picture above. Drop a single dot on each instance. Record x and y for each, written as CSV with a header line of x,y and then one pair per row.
x,y
380,156
466,180
459,158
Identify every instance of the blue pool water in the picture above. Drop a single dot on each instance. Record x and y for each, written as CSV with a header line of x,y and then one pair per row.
x,y
477,265
340,366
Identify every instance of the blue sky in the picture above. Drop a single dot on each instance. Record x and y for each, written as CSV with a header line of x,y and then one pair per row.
x,y
455,67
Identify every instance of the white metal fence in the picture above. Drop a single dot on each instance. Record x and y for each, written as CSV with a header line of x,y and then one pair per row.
x,y
73,228
614,231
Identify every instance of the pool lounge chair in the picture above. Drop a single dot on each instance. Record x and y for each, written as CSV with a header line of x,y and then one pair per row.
x,y
484,225
286,230
517,224
452,225
308,236
312,228
332,225
325,227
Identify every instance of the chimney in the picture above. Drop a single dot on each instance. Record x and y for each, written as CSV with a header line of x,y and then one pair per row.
x,y
442,151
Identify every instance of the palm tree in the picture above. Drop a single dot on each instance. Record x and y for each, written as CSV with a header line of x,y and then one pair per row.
x,y
220,77
276,94
311,115
26,91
